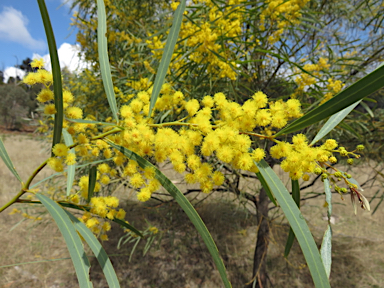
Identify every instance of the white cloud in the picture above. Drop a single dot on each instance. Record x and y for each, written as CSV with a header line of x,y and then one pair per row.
x,y
13,72
19,32
68,57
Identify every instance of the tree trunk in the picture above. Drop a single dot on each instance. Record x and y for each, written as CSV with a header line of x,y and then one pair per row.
x,y
259,276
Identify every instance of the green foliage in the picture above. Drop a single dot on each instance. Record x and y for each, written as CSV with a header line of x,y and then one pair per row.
x,y
238,48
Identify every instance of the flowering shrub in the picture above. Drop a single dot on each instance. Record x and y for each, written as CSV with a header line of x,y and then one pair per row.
x,y
205,134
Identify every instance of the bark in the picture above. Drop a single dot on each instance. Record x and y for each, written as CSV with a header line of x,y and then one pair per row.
x,y
259,274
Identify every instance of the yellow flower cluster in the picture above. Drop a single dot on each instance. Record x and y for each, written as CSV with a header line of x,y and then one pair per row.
x,y
208,38
62,153
301,159
280,14
100,228
25,215
334,87
305,80
215,127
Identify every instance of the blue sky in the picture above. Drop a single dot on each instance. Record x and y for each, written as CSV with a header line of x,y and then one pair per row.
x,y
22,32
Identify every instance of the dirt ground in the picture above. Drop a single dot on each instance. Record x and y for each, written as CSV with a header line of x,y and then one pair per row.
x,y
34,253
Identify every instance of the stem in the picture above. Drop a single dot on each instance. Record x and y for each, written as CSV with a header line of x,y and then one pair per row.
x,y
30,179
257,135
25,187
176,123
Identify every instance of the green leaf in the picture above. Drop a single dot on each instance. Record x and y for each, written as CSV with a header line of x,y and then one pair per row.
x,y
296,198
92,182
71,168
167,54
4,155
90,122
56,73
357,91
333,122
328,197
326,250
105,67
266,187
298,224
326,245
128,226
348,128
73,241
366,107
98,250
185,205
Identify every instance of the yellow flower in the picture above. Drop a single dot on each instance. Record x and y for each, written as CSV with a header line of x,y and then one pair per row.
x,y
55,164
192,106
218,178
136,180
258,154
105,179
44,77
144,195
37,63
60,149
120,214
14,211
71,159
67,96
154,230
45,95
106,226
92,222
104,237
74,113
30,79
111,201
50,109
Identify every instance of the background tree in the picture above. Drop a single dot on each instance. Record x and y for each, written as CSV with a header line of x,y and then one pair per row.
x,y
26,65
14,106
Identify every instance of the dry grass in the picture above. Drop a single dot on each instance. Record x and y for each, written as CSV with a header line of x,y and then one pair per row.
x,y
178,258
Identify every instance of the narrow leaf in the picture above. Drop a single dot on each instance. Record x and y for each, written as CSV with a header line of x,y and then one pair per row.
x,y
167,54
296,198
378,204
56,73
266,187
366,107
98,250
298,224
326,250
92,182
71,168
4,155
357,91
333,121
90,122
328,198
185,205
348,128
326,246
105,67
73,241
